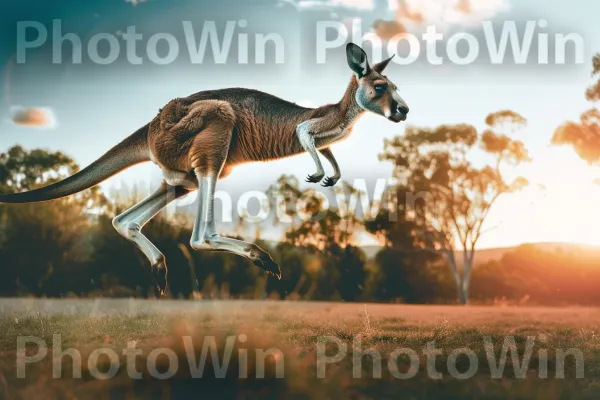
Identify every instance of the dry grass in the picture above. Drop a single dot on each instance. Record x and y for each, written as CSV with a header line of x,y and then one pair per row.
x,y
295,329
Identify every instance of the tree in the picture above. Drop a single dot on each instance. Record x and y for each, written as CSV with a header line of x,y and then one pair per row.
x,y
584,135
22,170
404,272
284,194
443,198
336,268
43,246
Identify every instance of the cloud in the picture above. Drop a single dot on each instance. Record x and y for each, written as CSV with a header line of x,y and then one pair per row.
x,y
358,4
135,2
388,29
301,5
448,12
406,12
464,6
414,15
37,117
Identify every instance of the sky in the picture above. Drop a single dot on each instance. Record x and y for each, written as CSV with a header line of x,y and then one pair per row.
x,y
83,109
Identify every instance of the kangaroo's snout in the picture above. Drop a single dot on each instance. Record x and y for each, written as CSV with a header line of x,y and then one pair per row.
x,y
403,108
399,110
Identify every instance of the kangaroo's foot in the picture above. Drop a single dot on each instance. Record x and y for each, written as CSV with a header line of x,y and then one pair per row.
x,y
159,272
263,260
330,181
316,177
250,251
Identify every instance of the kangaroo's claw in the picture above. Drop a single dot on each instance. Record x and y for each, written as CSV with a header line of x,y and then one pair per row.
x,y
265,262
159,272
329,181
314,178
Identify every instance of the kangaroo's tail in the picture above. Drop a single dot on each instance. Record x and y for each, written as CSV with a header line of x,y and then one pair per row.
x,y
133,150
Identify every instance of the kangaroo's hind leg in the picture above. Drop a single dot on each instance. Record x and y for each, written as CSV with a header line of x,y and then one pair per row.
x,y
130,223
207,159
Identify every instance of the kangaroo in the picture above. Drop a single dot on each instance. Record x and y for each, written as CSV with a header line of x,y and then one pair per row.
x,y
198,139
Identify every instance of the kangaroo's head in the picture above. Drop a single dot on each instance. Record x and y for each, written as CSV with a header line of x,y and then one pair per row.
x,y
375,93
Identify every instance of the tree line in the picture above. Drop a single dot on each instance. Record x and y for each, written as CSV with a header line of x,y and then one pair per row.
x,y
429,224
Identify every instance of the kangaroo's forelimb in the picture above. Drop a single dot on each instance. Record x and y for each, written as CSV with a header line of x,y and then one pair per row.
x,y
307,140
315,133
337,174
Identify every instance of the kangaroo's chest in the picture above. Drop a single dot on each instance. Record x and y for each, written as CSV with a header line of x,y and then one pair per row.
x,y
333,135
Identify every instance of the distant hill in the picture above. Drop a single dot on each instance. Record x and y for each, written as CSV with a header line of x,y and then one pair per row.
x,y
485,255
579,250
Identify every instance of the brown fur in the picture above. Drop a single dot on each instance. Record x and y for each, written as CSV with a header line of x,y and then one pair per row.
x,y
241,125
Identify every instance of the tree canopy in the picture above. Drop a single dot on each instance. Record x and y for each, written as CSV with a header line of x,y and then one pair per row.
x,y
443,196
584,135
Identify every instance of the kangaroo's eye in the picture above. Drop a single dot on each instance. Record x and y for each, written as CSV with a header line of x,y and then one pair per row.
x,y
380,89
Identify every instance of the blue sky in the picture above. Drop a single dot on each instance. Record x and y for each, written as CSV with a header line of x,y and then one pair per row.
x,y
95,106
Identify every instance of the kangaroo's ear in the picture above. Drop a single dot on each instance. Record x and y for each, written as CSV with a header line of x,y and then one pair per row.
x,y
379,67
357,60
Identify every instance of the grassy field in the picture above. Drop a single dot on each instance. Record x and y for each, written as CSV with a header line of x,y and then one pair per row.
x,y
310,350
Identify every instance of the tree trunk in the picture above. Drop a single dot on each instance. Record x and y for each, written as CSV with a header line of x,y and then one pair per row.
x,y
458,280
462,280
463,292
466,279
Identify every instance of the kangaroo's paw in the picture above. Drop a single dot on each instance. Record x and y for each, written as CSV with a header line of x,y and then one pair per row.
x,y
263,260
159,272
330,181
314,178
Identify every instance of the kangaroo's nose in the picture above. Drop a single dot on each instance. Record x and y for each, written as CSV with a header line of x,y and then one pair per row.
x,y
403,109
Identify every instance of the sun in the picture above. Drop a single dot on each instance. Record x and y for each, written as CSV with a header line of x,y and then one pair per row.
x,y
561,204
